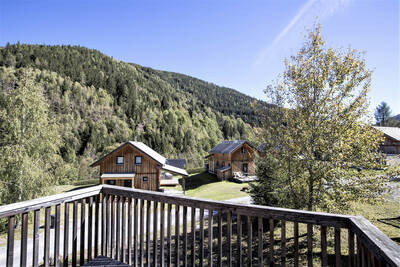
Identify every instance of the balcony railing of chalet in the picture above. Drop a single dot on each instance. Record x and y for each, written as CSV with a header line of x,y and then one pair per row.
x,y
149,228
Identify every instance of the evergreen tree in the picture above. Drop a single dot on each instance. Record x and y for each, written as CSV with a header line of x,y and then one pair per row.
x,y
382,114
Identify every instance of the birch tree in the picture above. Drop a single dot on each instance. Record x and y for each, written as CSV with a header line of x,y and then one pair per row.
x,y
317,132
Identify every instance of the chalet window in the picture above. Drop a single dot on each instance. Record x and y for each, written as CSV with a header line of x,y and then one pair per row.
x,y
245,168
110,182
120,160
145,178
128,183
138,160
243,150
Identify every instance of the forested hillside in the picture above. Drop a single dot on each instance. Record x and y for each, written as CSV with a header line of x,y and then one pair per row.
x,y
95,102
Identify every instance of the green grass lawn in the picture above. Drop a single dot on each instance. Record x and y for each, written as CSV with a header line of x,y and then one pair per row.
x,y
205,185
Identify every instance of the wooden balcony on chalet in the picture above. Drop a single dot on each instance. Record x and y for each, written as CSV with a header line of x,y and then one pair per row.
x,y
109,225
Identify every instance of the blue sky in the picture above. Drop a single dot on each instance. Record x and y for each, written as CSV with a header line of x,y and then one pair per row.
x,y
239,44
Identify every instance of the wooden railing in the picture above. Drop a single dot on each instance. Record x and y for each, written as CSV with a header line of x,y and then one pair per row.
x,y
150,228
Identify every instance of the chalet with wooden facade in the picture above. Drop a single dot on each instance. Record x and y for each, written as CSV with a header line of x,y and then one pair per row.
x,y
391,144
232,158
135,165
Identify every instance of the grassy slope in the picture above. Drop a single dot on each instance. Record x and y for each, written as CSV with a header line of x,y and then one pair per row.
x,y
205,185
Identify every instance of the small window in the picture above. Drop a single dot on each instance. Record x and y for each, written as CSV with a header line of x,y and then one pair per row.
x,y
120,160
243,150
110,182
138,160
128,183
245,168
145,178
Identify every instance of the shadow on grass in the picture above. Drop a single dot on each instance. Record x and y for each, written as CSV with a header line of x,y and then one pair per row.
x,y
197,180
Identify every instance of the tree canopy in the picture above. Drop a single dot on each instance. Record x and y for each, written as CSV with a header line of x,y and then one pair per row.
x,y
317,132
382,114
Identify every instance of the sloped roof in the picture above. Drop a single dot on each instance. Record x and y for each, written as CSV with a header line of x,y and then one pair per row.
x,y
151,153
174,169
180,163
228,147
393,132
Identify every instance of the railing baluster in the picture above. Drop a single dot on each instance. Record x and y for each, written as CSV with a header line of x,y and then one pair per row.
x,y
193,234
184,236
36,235
177,226
66,234
118,228
113,224
96,226
283,242
57,236
249,242
271,241
309,245
239,240
108,226
296,243
130,231
229,233
74,233
155,232
148,230
324,257
210,237
169,260
103,225
337,247
90,229
220,238
201,237
24,239
260,241
141,240
135,231
123,231
47,238
10,241
351,247
162,235
82,236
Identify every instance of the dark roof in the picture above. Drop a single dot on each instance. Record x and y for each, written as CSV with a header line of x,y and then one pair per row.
x,y
179,163
228,147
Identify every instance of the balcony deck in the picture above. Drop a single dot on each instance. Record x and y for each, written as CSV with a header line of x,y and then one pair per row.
x,y
140,227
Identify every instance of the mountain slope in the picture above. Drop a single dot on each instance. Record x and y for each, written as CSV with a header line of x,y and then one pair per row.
x,y
100,102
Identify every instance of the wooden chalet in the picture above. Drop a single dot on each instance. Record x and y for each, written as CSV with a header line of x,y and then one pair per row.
x,y
135,165
391,145
229,158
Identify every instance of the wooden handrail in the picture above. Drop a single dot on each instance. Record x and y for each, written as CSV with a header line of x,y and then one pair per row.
x,y
49,201
115,203
320,218
377,242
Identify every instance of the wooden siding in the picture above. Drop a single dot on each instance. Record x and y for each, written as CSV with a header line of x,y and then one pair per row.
x,y
238,159
390,146
235,160
149,168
